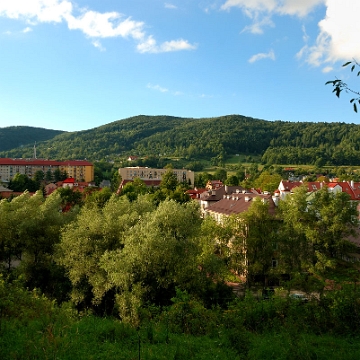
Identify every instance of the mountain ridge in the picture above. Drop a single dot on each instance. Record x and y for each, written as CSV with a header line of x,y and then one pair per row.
x,y
277,141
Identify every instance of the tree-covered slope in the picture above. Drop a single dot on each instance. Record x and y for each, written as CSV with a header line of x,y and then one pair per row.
x,y
278,142
19,136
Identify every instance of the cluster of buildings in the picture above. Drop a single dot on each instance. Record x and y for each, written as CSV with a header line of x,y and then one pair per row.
x,y
80,172
216,199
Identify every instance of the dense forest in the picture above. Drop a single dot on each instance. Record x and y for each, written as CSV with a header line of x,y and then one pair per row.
x,y
24,136
277,142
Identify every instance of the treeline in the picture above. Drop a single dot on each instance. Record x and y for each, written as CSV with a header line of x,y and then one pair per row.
x,y
278,142
116,254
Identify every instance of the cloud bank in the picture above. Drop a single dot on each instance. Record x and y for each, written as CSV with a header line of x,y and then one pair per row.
x,y
93,24
337,40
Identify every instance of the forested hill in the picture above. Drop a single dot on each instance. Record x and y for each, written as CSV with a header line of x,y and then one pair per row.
x,y
278,142
18,136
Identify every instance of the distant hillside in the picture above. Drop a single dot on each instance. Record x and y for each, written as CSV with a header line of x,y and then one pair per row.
x,y
278,142
20,136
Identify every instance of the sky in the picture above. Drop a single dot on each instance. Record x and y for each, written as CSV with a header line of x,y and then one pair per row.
x,y
77,64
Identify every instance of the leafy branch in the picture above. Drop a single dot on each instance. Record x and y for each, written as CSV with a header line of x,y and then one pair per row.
x,y
340,85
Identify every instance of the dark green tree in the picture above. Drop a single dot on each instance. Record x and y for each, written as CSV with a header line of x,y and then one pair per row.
x,y
220,174
232,180
49,176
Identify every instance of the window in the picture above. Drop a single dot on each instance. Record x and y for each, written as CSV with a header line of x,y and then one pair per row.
x,y
274,263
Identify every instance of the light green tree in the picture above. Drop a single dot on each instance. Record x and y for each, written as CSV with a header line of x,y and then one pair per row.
x,y
316,229
95,232
160,252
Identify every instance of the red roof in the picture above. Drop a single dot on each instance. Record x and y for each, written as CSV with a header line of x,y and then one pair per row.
x,y
43,162
238,203
289,185
314,185
69,181
195,193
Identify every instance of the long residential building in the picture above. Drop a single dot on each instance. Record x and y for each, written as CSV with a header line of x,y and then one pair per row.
x,y
81,170
145,173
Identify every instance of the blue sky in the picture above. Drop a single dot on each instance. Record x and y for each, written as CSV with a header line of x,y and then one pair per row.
x,y
75,65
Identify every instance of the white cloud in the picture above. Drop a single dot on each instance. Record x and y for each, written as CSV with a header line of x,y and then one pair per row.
x,y
327,69
261,56
93,24
338,38
38,10
104,25
98,45
157,88
149,45
170,6
261,11
176,45
27,29
258,24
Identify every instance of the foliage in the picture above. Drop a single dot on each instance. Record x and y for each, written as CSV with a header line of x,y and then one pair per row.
x,y
340,85
161,269
69,198
267,182
159,253
21,183
169,180
278,142
19,136
220,174
316,229
31,227
84,242
201,179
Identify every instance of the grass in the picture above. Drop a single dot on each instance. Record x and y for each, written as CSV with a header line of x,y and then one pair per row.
x,y
94,338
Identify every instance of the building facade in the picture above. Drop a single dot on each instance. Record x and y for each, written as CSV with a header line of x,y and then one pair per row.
x,y
144,173
81,170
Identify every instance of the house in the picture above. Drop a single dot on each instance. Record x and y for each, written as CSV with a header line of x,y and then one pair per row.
x,y
214,184
214,195
132,158
350,187
285,187
236,203
69,182
195,193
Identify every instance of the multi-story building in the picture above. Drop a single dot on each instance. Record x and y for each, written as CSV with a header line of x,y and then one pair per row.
x,y
81,170
144,173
